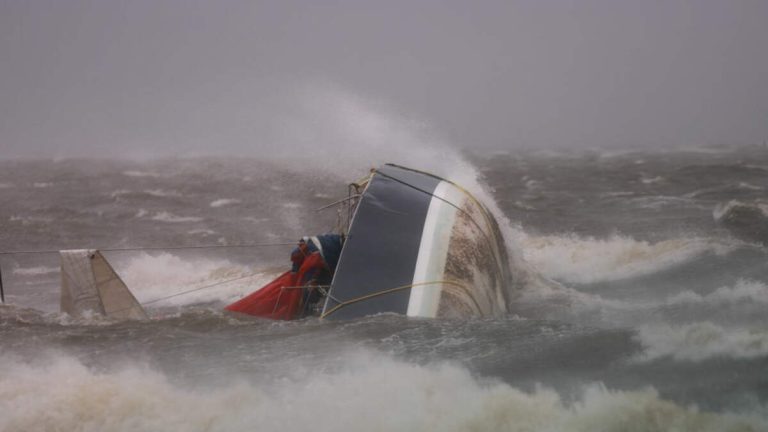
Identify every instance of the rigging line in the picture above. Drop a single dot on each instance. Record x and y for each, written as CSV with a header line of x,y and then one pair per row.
x,y
459,187
387,291
481,207
190,291
147,248
201,288
338,202
432,195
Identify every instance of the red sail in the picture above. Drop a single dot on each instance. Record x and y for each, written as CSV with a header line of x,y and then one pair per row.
x,y
272,301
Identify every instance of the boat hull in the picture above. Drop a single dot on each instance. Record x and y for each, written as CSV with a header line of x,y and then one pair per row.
x,y
421,246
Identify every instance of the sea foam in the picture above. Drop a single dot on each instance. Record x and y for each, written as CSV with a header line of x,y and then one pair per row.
x,y
154,276
743,291
224,202
34,271
369,392
574,259
701,341
169,217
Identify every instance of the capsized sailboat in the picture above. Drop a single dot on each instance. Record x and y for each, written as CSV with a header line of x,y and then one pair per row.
x,y
414,244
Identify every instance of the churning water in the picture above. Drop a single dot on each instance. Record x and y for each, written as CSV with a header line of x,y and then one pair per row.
x,y
640,295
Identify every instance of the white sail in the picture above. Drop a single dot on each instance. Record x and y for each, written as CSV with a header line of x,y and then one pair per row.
x,y
88,283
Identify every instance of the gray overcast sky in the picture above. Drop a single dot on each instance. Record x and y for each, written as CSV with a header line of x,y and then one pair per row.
x,y
139,78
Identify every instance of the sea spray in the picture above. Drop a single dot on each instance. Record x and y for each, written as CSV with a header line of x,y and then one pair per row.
x,y
158,275
702,341
574,259
369,392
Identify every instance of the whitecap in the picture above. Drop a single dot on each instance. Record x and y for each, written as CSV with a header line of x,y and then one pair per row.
x,y
165,216
154,276
224,202
255,219
434,397
743,291
652,180
29,220
35,271
575,259
722,210
749,186
120,192
141,174
161,193
701,341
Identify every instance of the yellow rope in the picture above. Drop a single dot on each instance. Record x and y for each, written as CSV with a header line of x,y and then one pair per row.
x,y
387,291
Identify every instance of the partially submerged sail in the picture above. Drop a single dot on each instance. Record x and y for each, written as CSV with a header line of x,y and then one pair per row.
x,y
277,300
89,283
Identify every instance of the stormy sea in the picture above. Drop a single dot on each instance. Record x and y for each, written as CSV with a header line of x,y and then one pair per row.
x,y
638,303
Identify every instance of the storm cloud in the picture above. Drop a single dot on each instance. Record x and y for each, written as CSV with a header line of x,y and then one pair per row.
x,y
146,78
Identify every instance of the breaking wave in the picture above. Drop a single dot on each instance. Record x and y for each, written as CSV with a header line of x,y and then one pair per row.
x,y
732,208
743,291
224,202
35,271
156,193
169,217
154,276
141,174
701,341
747,220
367,392
575,259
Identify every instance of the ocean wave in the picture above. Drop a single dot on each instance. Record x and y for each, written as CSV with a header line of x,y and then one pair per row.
x,y
255,219
29,220
728,210
120,192
575,259
747,220
202,231
368,392
154,276
224,202
652,180
6,185
140,174
162,193
660,201
169,217
35,271
156,193
701,341
743,291
728,189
